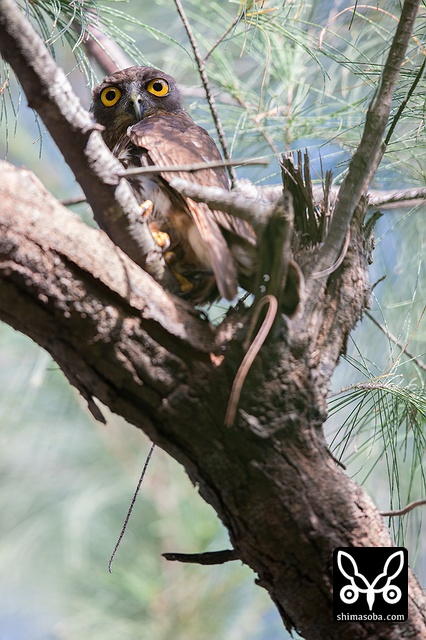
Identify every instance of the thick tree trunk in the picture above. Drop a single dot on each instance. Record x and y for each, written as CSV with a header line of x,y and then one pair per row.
x,y
120,338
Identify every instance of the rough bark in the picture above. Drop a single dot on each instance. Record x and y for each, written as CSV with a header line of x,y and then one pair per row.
x,y
120,338
79,139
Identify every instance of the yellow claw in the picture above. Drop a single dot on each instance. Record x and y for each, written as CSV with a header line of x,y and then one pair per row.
x,y
185,285
146,208
169,257
161,238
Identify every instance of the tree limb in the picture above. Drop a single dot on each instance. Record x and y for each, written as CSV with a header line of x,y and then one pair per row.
x,y
77,136
401,512
246,202
367,157
404,198
58,236
121,339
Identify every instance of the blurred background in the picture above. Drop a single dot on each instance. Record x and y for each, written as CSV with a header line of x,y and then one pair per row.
x,y
287,76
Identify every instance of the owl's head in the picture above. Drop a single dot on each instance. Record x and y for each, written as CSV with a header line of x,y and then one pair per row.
x,y
130,95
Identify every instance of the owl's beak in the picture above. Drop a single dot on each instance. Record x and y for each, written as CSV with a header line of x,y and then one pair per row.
x,y
137,106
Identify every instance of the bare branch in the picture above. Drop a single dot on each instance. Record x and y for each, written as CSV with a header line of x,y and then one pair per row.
x,y
195,166
77,136
405,102
378,198
206,84
405,198
366,159
69,202
131,507
206,558
250,207
233,24
402,512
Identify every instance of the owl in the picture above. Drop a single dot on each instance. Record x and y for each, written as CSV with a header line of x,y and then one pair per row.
x,y
146,124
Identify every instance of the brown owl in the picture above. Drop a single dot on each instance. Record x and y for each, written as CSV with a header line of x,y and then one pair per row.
x,y
146,124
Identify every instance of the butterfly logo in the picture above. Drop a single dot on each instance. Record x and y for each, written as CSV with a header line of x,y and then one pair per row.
x,y
381,584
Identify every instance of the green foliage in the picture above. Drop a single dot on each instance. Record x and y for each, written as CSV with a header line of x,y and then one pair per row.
x,y
377,424
296,73
286,74
71,22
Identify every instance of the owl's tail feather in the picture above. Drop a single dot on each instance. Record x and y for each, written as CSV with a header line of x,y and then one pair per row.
x,y
221,260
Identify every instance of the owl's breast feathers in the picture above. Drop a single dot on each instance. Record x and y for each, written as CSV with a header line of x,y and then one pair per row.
x,y
168,139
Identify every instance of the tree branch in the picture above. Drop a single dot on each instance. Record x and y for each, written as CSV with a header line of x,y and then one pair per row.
x,y
404,198
404,510
195,166
107,53
78,138
121,339
246,202
367,157
206,84
39,232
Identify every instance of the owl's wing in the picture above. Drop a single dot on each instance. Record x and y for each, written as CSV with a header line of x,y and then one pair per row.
x,y
172,139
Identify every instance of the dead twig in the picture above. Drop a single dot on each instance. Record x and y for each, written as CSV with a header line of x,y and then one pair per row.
x,y
69,202
254,210
130,509
222,37
402,512
395,340
207,558
195,166
206,84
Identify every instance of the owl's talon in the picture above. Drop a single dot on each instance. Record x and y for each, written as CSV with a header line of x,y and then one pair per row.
x,y
146,208
184,284
169,257
162,239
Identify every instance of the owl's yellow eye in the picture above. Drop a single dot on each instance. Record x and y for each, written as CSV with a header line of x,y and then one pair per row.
x,y
158,87
110,96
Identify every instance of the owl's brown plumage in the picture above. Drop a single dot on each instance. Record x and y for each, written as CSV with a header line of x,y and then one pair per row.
x,y
146,124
